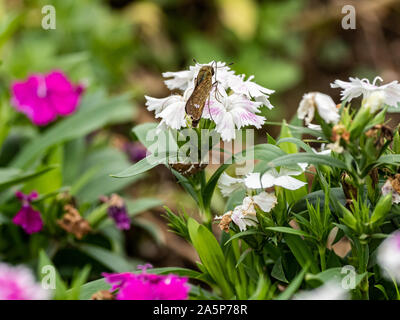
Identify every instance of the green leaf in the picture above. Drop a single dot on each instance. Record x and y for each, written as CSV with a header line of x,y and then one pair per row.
x,y
211,255
90,288
333,274
140,167
52,180
211,184
278,272
77,282
301,252
310,158
45,267
152,228
140,205
243,256
114,262
294,285
183,272
290,230
142,130
9,25
286,145
94,113
243,234
106,161
382,289
296,142
13,176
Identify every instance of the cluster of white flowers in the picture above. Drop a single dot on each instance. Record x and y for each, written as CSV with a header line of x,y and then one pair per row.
x,y
244,215
390,92
374,96
233,103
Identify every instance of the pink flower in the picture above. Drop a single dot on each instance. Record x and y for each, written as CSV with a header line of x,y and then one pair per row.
x,y
28,218
18,283
147,286
44,97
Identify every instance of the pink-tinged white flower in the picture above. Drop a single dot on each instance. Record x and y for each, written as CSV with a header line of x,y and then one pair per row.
x,y
27,217
389,256
250,89
228,184
388,188
233,102
233,112
316,101
43,97
18,283
329,291
184,79
272,177
357,87
245,215
145,286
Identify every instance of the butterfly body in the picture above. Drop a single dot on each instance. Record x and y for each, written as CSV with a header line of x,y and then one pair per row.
x,y
201,92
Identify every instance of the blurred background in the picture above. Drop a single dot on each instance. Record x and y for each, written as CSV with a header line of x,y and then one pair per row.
x,y
291,46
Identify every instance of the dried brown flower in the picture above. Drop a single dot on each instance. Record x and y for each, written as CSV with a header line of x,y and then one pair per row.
x,y
380,133
188,169
224,223
102,295
74,223
339,132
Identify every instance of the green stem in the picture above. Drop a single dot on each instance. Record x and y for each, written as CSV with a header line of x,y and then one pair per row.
x,y
322,250
363,265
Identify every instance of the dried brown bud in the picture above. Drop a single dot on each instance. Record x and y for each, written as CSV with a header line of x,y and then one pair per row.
x,y
116,201
374,177
339,132
380,133
102,295
74,223
188,169
225,221
349,190
396,182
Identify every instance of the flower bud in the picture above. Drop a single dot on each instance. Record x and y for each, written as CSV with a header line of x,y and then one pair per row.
x,y
382,208
374,101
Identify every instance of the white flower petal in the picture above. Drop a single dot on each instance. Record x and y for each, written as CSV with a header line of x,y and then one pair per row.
x,y
328,291
388,256
268,179
357,87
253,180
289,182
157,105
266,201
228,185
318,101
174,115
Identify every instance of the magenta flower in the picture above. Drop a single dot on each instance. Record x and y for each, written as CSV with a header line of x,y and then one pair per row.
x,y
145,286
18,283
44,97
28,218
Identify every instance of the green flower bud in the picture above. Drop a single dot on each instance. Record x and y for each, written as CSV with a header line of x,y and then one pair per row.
x,y
381,209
